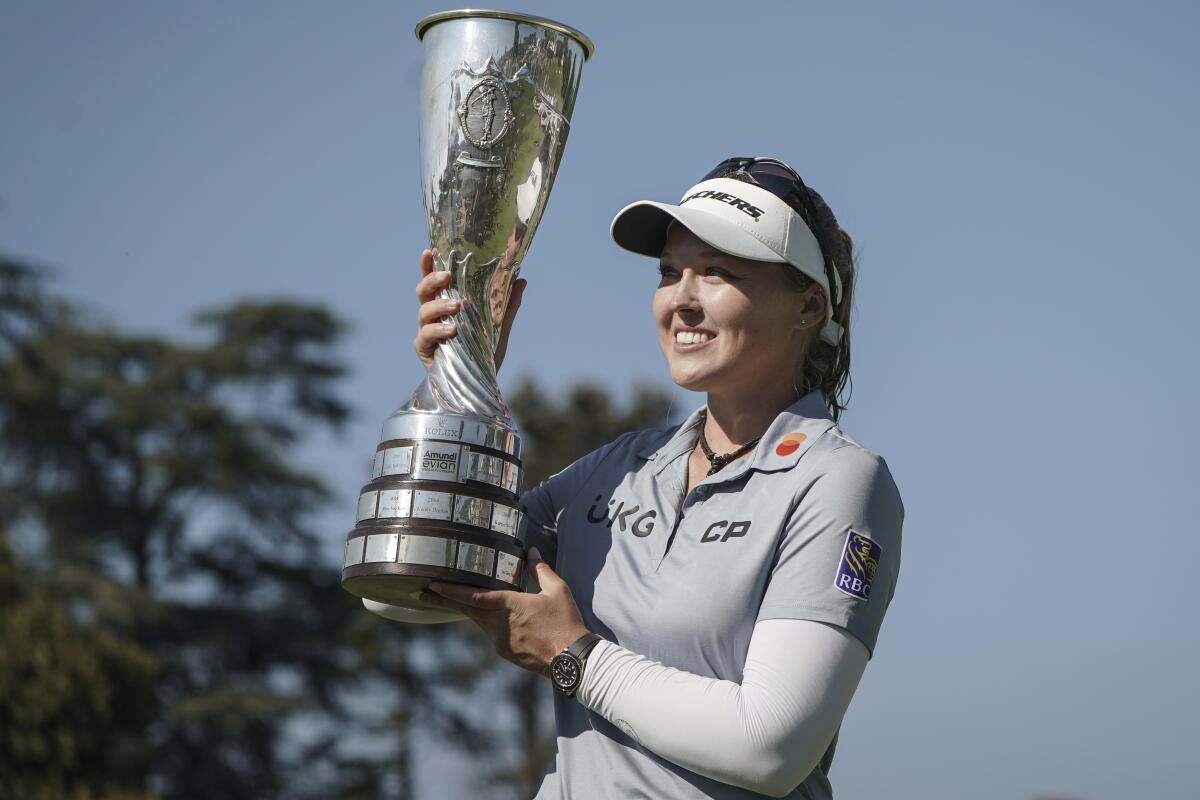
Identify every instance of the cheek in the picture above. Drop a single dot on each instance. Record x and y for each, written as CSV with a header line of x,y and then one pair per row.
x,y
755,326
660,308
734,314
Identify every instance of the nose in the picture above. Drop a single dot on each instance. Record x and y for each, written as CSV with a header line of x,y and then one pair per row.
x,y
684,297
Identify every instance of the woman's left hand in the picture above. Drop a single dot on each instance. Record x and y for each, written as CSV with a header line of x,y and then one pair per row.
x,y
527,629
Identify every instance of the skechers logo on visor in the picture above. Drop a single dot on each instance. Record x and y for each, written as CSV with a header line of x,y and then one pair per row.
x,y
754,212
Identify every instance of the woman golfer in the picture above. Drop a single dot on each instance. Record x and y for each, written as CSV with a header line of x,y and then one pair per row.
x,y
710,592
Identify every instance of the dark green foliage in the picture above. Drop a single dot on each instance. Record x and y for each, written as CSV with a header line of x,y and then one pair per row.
x,y
74,700
166,521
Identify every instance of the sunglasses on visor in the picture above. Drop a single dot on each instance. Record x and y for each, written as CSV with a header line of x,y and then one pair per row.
x,y
780,180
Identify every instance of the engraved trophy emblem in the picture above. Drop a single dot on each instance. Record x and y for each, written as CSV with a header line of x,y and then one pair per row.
x,y
497,92
486,104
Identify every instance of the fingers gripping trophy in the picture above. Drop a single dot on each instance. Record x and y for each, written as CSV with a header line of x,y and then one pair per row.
x,y
497,92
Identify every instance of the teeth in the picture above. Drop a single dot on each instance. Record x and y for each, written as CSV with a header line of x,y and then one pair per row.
x,y
692,337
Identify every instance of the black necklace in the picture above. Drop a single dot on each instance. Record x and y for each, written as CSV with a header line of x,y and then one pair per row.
x,y
717,463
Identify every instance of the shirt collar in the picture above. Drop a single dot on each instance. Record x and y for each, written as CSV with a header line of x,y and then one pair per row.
x,y
787,438
669,445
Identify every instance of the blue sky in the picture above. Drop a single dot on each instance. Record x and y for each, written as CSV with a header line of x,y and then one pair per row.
x,y
1019,179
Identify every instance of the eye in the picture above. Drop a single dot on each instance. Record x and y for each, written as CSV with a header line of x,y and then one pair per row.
x,y
666,272
719,273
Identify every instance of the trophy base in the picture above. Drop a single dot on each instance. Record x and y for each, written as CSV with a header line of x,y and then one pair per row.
x,y
402,584
441,505
426,616
399,593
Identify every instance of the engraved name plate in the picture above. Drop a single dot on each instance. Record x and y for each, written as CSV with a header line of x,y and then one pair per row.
x,y
354,551
432,505
486,469
366,505
394,502
381,547
476,558
473,511
397,461
512,477
508,568
504,520
431,551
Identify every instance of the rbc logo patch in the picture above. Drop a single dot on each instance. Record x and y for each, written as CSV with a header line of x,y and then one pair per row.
x,y
856,572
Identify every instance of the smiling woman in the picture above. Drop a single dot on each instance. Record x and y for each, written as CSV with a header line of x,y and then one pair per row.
x,y
726,325
814,257
712,591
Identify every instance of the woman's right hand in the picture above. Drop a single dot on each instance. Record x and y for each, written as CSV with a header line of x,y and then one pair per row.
x,y
435,323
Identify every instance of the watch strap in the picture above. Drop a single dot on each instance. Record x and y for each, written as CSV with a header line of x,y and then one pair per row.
x,y
583,645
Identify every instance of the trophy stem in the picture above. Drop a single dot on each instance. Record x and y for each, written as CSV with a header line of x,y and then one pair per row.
x,y
462,378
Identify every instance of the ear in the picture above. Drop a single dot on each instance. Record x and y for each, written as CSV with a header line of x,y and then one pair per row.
x,y
810,308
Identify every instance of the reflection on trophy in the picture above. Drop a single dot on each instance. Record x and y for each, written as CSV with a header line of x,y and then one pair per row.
x,y
497,92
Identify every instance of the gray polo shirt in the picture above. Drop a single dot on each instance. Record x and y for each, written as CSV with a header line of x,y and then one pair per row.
x,y
806,527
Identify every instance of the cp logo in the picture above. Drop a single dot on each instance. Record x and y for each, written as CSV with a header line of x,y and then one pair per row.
x,y
731,530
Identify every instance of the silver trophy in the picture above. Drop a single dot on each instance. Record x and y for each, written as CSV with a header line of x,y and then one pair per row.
x,y
497,92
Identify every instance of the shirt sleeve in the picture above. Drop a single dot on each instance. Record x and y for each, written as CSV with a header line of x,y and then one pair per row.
x,y
542,505
839,555
765,734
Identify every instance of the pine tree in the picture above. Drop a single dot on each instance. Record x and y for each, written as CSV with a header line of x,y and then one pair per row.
x,y
169,569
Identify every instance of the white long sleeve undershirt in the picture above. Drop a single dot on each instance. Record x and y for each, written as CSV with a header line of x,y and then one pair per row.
x,y
765,734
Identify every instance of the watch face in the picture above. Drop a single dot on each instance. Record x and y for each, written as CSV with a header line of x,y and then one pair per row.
x,y
564,669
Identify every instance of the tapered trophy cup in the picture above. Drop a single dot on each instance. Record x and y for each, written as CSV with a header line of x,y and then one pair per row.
x,y
497,92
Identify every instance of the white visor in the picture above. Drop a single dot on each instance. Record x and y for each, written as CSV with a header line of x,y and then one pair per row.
x,y
737,218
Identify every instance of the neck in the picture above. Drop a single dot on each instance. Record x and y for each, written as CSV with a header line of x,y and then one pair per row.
x,y
734,420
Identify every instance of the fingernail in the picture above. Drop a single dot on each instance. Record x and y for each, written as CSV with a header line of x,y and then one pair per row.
x,y
533,551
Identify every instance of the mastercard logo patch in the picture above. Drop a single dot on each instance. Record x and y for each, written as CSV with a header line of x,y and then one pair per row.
x,y
790,444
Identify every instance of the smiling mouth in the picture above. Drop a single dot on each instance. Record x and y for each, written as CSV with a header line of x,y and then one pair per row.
x,y
692,337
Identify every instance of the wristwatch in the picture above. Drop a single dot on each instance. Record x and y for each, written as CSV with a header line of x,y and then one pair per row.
x,y
566,668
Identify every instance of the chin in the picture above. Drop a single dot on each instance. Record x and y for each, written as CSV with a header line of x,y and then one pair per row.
x,y
693,382
693,375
